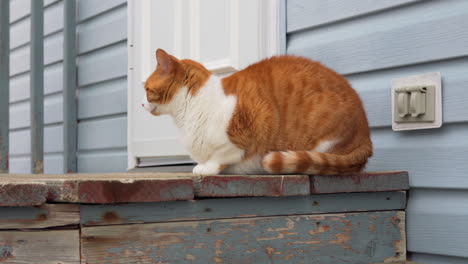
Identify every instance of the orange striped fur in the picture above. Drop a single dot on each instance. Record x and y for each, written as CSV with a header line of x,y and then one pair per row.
x,y
296,114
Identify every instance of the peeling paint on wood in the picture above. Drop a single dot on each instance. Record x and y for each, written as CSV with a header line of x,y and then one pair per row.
x,y
240,208
23,190
48,215
362,182
266,185
46,247
332,238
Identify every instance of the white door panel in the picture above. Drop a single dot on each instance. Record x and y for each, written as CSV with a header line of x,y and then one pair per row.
x,y
224,35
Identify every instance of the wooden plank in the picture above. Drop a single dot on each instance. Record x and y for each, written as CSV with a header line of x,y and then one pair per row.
x,y
70,125
20,190
363,182
255,185
307,14
23,194
334,238
389,48
46,247
37,86
4,84
48,215
239,208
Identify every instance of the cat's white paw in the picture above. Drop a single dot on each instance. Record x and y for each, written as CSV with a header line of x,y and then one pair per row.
x,y
206,169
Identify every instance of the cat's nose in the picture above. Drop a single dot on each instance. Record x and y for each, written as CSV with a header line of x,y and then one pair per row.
x,y
143,105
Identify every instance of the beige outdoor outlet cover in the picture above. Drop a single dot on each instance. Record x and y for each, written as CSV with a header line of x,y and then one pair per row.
x,y
417,102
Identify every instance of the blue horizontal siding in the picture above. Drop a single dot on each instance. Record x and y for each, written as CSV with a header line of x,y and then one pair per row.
x,y
372,43
102,66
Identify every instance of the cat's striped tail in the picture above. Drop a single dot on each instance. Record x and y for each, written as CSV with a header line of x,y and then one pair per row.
x,y
312,162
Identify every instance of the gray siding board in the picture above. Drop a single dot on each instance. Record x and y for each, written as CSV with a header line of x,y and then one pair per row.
x,y
102,69
22,139
19,9
373,48
103,31
103,65
53,113
307,14
53,83
105,99
436,259
374,88
103,133
435,158
53,53
438,222
91,8
107,161
409,44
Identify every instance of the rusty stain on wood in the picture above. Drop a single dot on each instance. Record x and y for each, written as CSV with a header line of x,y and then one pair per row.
x,y
21,190
282,239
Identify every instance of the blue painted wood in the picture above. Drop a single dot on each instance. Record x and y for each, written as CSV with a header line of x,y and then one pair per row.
x,y
307,14
70,125
371,237
48,215
239,207
4,84
37,86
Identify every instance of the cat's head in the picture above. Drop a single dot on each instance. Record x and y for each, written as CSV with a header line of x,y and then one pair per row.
x,y
170,77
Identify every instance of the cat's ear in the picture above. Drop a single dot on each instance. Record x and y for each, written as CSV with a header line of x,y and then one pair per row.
x,y
166,62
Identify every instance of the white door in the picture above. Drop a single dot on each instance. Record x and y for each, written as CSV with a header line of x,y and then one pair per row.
x,y
224,35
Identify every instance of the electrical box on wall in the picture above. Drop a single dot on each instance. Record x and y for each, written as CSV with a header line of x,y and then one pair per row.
x,y
417,102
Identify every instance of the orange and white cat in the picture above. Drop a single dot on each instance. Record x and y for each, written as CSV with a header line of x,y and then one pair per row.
x,y
285,114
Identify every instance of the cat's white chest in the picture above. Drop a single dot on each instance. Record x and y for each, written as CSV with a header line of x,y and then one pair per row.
x,y
204,122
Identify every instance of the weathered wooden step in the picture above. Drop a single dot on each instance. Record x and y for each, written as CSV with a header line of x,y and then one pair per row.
x,y
27,189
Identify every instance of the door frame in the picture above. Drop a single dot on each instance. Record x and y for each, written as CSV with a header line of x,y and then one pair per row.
x,y
272,25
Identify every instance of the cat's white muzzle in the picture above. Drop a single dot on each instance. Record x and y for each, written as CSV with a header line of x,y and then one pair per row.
x,y
148,106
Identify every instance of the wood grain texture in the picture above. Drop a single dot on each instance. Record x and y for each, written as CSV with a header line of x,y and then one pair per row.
x,y
23,190
306,14
267,185
46,247
209,209
48,215
364,182
23,194
335,238
20,190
